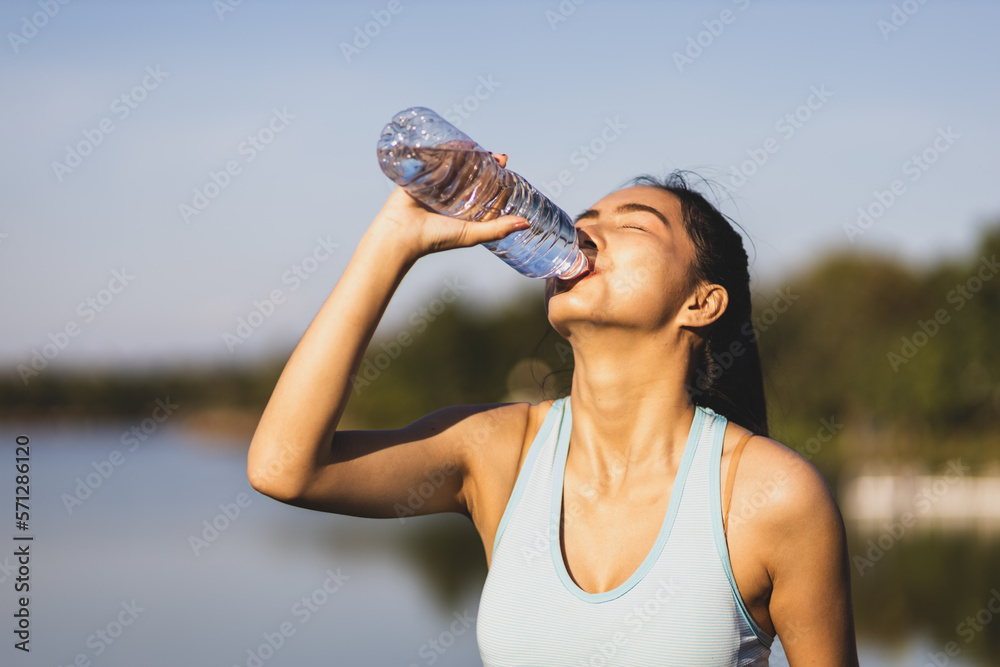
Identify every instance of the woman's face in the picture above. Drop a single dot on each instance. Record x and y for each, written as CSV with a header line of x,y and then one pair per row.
x,y
641,258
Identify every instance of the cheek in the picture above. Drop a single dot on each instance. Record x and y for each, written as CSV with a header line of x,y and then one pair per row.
x,y
651,282
633,282
640,274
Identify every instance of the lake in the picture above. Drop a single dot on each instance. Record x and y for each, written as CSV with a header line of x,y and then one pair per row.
x,y
162,555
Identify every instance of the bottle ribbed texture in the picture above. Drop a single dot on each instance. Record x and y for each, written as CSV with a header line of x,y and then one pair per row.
x,y
444,169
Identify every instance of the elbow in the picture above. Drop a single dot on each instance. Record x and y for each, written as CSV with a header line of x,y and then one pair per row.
x,y
261,481
265,483
268,477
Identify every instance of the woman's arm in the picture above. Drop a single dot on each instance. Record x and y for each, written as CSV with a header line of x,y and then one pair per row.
x,y
810,603
297,456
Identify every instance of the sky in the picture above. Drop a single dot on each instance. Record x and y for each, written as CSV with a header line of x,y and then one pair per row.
x,y
172,168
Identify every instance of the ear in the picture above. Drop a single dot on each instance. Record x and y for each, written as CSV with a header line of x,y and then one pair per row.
x,y
705,305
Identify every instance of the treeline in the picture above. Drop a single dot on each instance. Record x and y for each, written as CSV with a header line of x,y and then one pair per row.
x,y
865,359
905,359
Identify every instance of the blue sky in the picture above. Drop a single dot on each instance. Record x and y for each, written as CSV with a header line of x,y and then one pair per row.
x,y
278,72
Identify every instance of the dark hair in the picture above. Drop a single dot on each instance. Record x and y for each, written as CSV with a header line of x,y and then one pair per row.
x,y
726,375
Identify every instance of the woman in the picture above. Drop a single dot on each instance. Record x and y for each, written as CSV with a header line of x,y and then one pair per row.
x,y
605,515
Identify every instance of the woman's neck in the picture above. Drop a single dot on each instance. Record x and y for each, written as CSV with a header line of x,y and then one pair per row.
x,y
630,404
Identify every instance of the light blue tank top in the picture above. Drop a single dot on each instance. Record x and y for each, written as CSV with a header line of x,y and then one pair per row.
x,y
680,607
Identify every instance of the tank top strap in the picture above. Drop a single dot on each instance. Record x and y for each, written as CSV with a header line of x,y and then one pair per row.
x,y
727,492
680,605
538,464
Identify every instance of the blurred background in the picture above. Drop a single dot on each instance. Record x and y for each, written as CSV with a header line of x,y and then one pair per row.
x,y
185,182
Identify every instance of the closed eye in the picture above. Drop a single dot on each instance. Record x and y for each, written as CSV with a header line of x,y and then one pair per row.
x,y
641,229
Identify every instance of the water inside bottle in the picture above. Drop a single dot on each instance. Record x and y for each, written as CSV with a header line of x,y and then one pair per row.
x,y
459,179
449,178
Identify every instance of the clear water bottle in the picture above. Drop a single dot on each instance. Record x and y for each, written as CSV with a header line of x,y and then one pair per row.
x,y
447,171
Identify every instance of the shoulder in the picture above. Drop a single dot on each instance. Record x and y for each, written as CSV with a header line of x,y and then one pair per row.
x,y
784,499
501,434
495,437
794,541
498,440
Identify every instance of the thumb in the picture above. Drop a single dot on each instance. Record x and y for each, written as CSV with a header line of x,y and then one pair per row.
x,y
494,230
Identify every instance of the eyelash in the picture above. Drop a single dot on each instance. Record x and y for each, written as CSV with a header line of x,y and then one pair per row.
x,y
631,227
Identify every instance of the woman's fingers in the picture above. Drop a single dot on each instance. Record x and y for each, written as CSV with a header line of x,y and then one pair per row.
x,y
424,231
493,230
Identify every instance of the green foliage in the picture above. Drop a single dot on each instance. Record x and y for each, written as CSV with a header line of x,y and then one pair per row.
x,y
461,358
112,394
904,357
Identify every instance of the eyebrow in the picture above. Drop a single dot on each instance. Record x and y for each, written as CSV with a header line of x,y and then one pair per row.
x,y
627,207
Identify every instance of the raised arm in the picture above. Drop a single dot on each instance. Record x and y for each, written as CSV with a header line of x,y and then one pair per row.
x,y
298,456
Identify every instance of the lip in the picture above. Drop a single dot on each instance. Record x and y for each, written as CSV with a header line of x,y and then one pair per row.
x,y
592,270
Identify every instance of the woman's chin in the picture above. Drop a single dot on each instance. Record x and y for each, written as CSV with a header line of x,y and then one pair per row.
x,y
566,308
574,289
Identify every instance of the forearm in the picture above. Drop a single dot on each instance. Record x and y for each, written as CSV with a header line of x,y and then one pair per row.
x,y
292,443
293,436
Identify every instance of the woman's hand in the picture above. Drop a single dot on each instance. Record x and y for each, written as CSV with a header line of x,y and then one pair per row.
x,y
298,453
404,220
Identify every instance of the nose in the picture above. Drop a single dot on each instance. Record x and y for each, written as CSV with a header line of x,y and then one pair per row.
x,y
586,240
588,243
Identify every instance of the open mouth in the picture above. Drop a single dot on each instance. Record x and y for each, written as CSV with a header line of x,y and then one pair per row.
x,y
592,270
591,267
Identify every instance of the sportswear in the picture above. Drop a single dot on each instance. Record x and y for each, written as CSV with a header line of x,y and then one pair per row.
x,y
680,607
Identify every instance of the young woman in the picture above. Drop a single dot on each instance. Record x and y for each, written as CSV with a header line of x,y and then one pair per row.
x,y
646,519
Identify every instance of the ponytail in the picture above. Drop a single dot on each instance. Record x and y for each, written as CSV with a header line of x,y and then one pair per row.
x,y
727,374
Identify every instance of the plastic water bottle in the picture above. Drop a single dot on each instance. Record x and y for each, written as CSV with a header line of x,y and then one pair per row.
x,y
447,171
